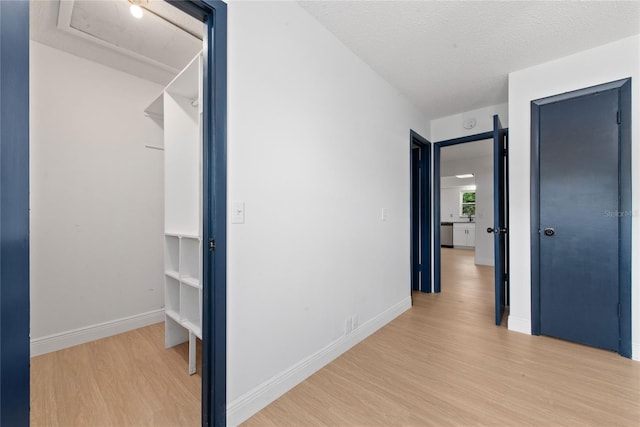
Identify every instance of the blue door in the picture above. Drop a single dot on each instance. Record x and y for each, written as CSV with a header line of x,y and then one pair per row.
x,y
14,213
579,219
499,218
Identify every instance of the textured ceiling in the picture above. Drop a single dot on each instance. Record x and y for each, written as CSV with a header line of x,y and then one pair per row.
x,y
451,57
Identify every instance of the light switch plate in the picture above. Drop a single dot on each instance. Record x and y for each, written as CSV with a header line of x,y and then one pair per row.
x,y
237,212
384,214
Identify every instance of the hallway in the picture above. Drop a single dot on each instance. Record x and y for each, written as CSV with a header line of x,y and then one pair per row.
x,y
444,362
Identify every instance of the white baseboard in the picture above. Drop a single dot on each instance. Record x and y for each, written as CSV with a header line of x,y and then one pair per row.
x,y
635,350
254,400
485,261
89,333
519,324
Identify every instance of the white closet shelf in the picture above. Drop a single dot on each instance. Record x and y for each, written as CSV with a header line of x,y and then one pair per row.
x,y
191,281
182,128
196,329
173,314
173,274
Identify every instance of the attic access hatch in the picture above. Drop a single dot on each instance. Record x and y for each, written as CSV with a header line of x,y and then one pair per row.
x,y
152,40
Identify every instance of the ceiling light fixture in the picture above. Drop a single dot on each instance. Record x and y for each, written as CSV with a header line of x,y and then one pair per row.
x,y
465,175
136,11
139,6
136,7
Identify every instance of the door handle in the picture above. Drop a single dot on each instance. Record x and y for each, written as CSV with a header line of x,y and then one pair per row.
x,y
501,230
549,232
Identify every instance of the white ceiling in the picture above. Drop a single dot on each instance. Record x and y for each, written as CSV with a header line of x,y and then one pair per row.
x,y
446,56
454,56
105,31
469,150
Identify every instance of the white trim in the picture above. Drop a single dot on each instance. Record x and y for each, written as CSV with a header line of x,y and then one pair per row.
x,y
484,261
635,350
254,400
89,333
519,324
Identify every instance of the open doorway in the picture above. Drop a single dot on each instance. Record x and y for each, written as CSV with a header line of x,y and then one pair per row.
x,y
116,149
458,206
466,200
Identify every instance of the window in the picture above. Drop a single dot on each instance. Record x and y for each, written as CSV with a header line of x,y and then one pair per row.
x,y
468,203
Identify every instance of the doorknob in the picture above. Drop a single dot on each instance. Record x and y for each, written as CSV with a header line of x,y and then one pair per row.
x,y
497,230
549,232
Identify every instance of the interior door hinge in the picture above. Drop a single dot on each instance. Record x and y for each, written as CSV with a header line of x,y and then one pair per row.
x,y
212,245
619,117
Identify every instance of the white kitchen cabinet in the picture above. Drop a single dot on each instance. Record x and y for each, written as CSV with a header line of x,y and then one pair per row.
x,y
464,235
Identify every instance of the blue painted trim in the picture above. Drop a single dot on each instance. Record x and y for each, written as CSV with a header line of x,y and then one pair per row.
x,y
214,292
14,213
464,139
625,221
624,87
425,206
498,218
535,218
437,257
415,230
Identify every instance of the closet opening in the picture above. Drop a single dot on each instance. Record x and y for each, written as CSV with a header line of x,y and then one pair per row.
x,y
122,150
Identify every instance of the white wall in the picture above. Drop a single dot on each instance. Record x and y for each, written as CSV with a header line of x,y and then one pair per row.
x,y
318,145
484,217
482,169
452,126
607,63
96,201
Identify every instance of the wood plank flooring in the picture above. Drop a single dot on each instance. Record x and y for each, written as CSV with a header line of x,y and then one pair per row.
x,y
125,380
444,363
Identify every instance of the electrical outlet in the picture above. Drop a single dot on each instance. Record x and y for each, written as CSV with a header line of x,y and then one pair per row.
x,y
347,326
354,322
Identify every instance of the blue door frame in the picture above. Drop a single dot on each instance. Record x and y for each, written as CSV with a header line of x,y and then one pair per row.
x,y
625,207
14,210
420,226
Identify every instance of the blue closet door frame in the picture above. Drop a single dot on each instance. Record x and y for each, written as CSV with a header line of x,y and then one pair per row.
x,y
14,210
624,266
423,193
14,213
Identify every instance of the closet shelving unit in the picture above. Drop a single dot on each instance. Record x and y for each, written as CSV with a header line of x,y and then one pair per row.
x,y
181,117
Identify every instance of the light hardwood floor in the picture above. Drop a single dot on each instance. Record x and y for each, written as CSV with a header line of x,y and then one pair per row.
x,y
444,363
125,380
